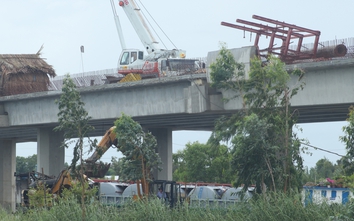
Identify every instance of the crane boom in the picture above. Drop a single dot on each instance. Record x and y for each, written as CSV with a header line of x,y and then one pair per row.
x,y
118,26
135,17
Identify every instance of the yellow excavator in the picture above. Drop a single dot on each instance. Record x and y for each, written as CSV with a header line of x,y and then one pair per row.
x,y
93,169
55,185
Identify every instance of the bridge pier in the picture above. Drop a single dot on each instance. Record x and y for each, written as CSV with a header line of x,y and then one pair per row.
x,y
7,178
164,148
50,156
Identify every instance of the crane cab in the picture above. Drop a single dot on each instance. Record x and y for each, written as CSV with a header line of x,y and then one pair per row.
x,y
129,56
130,60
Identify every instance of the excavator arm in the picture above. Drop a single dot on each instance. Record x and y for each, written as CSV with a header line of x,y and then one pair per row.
x,y
92,169
106,142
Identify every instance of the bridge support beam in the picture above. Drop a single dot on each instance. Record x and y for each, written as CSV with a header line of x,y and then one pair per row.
x,y
7,178
164,148
50,156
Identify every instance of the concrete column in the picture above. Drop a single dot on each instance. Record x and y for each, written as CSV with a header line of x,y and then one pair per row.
x,y
7,170
50,156
164,148
4,118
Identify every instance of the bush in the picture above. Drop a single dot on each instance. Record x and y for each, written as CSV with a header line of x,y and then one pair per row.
x,y
271,206
40,197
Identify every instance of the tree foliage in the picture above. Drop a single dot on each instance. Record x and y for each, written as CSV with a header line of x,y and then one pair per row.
x,y
325,168
202,163
26,164
138,148
253,156
322,170
116,167
348,140
265,149
179,166
74,122
230,74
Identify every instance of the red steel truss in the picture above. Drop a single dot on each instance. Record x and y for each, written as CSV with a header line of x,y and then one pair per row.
x,y
287,33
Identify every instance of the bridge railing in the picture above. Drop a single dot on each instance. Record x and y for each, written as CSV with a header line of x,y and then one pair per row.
x,y
86,79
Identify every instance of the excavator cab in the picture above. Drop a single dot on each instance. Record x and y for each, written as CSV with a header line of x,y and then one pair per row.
x,y
170,191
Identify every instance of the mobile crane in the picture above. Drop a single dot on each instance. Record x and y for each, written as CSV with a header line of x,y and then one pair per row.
x,y
158,62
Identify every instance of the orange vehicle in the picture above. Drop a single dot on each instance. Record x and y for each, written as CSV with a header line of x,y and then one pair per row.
x,y
35,179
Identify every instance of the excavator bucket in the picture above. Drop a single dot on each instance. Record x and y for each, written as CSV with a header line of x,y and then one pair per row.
x,y
96,170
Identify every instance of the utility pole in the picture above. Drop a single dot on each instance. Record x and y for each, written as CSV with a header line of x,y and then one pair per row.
x,y
82,49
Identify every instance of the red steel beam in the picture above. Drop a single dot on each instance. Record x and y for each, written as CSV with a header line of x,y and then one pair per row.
x,y
251,30
266,27
286,25
283,31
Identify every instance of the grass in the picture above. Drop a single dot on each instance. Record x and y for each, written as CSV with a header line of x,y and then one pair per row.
x,y
272,207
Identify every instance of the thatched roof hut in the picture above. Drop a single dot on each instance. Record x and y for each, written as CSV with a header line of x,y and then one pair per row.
x,y
24,73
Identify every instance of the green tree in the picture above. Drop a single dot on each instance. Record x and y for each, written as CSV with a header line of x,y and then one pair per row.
x,y
219,169
74,122
196,157
179,168
310,175
26,164
202,163
265,149
138,148
110,172
231,76
324,168
338,169
116,166
348,140
253,156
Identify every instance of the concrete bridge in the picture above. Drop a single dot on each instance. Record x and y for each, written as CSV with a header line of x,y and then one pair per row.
x,y
160,105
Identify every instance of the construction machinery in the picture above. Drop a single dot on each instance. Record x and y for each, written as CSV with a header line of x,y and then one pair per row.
x,y
108,192
33,180
159,62
92,169
171,191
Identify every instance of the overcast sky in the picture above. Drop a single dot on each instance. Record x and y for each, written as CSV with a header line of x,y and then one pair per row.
x,y
62,26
